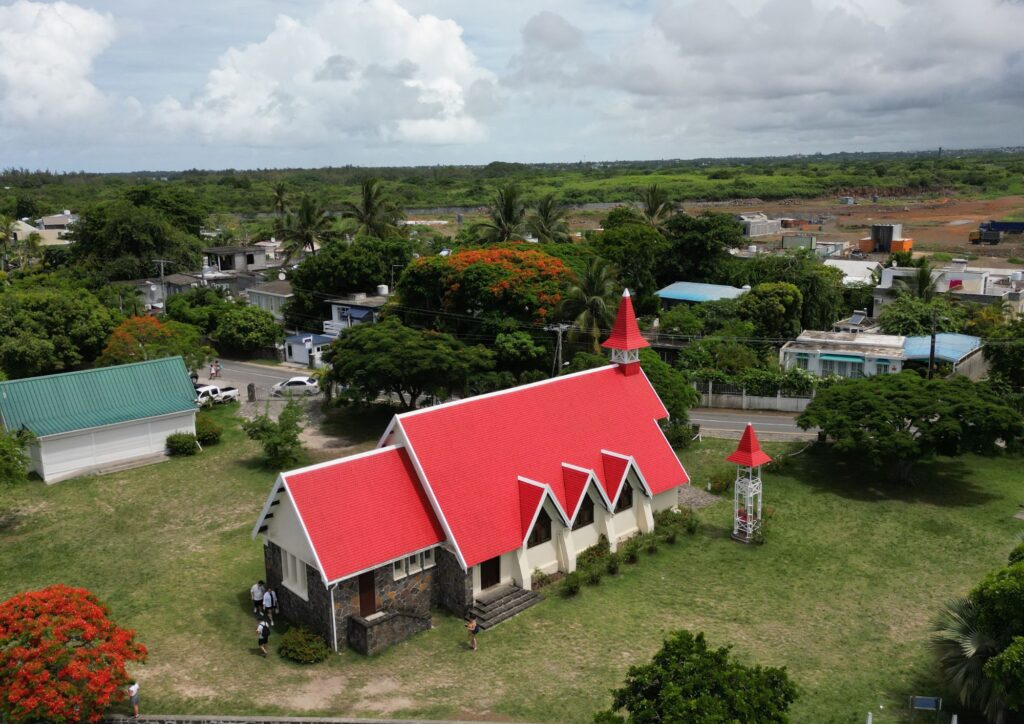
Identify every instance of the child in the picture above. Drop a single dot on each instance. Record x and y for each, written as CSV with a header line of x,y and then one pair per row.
x,y
133,698
474,628
263,632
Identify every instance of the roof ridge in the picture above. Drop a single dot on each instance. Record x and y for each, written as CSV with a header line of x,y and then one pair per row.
x,y
92,369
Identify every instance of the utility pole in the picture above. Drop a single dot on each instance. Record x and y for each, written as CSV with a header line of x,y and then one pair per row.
x,y
163,285
557,363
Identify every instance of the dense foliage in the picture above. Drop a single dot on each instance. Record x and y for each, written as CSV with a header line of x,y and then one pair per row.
x,y
895,420
910,315
62,659
245,328
137,339
181,444
302,646
1005,354
14,459
688,682
200,307
280,437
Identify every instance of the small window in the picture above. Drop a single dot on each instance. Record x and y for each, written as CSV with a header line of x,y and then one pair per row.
x,y
882,367
291,354
293,573
625,499
541,532
413,563
428,558
399,569
801,362
586,514
250,258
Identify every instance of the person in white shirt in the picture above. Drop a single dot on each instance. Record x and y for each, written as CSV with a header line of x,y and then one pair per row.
x,y
263,631
270,604
256,593
133,697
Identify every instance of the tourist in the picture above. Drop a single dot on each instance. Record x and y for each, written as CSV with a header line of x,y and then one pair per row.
x,y
263,632
474,628
256,593
133,698
270,603
213,371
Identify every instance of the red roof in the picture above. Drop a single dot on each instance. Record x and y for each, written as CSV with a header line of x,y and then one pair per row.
x,y
749,452
625,333
363,511
472,452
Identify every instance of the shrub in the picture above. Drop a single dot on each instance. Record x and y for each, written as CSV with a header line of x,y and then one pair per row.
x,y
301,645
540,578
1015,260
680,436
778,465
1017,554
280,438
594,553
631,552
208,432
669,536
612,564
720,483
592,575
651,545
181,443
571,584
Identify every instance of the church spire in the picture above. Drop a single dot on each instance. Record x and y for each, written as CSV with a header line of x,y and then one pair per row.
x,y
625,341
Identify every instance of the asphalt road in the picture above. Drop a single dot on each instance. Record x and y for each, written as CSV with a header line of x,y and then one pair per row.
x,y
730,423
241,374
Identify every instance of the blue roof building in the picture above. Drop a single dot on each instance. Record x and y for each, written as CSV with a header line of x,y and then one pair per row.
x,y
696,293
953,348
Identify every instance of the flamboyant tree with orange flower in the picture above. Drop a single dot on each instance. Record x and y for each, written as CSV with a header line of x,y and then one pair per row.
x,y
504,282
137,339
62,659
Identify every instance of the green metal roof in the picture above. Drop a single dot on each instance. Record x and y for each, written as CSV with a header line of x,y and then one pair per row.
x,y
70,401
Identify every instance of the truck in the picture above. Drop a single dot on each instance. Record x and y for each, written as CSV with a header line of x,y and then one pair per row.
x,y
986,236
210,394
1007,227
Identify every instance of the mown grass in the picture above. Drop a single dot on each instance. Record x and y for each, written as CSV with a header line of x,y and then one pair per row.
x,y
842,593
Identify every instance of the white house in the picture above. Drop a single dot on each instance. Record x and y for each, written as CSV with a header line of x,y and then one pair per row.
x,y
352,310
845,354
970,284
855,271
300,347
271,296
100,420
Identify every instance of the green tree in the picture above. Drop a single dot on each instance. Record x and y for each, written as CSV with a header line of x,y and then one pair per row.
x,y
656,206
963,648
698,247
591,303
374,214
304,229
201,307
910,315
774,309
636,251
622,216
246,328
681,320
821,286
137,339
895,420
49,330
391,359
14,460
689,682
507,217
675,392
547,222
279,438
1004,351
280,199
516,352
920,285
6,240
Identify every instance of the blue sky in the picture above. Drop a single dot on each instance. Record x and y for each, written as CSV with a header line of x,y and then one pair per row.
x,y
147,84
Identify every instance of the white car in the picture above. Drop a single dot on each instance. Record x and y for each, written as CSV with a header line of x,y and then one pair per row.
x,y
296,386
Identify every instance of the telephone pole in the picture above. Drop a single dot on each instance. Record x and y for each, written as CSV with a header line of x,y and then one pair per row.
x,y
557,362
163,285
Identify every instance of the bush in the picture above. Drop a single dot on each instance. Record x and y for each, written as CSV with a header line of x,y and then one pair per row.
x,y
778,465
208,432
679,436
182,443
631,552
301,645
280,438
651,545
612,564
669,536
594,553
540,578
720,483
571,584
592,575
1017,554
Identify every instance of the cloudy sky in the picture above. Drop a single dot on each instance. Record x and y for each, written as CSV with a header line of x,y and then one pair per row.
x,y
151,84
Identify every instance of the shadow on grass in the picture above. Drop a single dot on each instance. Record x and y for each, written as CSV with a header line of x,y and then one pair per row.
x,y
357,423
927,683
943,482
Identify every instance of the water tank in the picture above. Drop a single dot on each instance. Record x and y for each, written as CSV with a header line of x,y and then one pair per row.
x,y
1017,276
382,290
752,248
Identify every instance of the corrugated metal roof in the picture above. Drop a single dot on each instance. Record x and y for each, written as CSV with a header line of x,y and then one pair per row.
x,y
948,347
698,292
70,401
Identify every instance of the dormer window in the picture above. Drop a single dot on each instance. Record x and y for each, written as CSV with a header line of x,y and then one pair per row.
x,y
586,514
541,532
625,498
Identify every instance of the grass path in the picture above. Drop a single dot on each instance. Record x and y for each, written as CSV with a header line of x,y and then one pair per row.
x,y
842,593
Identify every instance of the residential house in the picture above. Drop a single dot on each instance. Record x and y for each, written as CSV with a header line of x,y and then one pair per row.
x,y
462,502
962,351
58,222
856,271
236,258
856,323
696,293
970,284
352,310
271,296
100,420
47,237
758,224
845,354
306,346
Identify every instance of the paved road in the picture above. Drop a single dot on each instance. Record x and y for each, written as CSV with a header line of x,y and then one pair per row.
x,y
730,423
241,374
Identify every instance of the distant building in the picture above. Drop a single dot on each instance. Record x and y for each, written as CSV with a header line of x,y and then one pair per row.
x,y
855,271
962,351
58,222
886,239
47,237
856,323
352,310
970,284
236,258
799,241
758,224
271,296
844,354
695,293
300,347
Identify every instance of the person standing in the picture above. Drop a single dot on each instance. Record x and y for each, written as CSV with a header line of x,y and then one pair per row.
x,y
474,628
256,593
133,698
216,363
270,604
263,634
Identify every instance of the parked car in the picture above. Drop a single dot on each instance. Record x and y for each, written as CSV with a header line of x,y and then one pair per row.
x,y
296,386
210,394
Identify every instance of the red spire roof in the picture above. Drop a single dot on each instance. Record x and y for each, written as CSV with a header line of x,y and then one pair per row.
x,y
749,452
625,334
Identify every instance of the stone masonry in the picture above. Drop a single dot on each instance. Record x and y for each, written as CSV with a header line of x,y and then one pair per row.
x,y
454,588
313,613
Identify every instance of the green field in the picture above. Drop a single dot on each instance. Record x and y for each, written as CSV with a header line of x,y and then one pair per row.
x,y
842,594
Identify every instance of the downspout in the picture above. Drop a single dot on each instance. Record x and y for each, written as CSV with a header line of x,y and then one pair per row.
x,y
334,620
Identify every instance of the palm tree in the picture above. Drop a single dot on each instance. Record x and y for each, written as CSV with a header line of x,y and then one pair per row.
x,y
280,199
591,303
305,228
547,222
6,237
375,214
27,250
508,217
655,206
921,284
963,648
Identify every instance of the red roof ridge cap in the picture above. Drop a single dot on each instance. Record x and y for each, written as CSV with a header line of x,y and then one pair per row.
x,y
339,461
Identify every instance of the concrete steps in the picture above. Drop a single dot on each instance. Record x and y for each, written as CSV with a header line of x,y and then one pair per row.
x,y
493,607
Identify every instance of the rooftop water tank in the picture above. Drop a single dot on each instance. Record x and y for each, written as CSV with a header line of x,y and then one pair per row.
x,y
382,290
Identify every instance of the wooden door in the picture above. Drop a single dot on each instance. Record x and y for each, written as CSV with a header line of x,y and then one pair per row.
x,y
367,595
490,572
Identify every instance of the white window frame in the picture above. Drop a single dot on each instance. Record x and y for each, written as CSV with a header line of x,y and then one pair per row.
x,y
398,569
293,575
404,567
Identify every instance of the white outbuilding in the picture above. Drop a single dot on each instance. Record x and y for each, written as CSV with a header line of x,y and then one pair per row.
x,y
100,420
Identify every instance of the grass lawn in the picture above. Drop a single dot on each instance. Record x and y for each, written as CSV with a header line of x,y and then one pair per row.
x,y
842,593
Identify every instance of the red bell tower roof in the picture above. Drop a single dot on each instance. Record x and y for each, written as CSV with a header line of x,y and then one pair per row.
x,y
749,452
625,333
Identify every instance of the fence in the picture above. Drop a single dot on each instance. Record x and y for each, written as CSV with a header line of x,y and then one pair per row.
x,y
724,395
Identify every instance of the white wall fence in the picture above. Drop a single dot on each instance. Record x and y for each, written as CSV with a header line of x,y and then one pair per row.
x,y
720,394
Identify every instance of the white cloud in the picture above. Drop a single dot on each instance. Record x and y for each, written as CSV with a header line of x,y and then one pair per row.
x,y
46,56
364,71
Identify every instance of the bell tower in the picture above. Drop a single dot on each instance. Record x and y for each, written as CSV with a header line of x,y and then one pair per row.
x,y
746,497
625,341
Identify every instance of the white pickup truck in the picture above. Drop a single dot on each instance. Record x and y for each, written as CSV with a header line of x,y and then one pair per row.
x,y
209,394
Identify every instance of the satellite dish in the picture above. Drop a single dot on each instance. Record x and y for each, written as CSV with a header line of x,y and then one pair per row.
x,y
282,276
